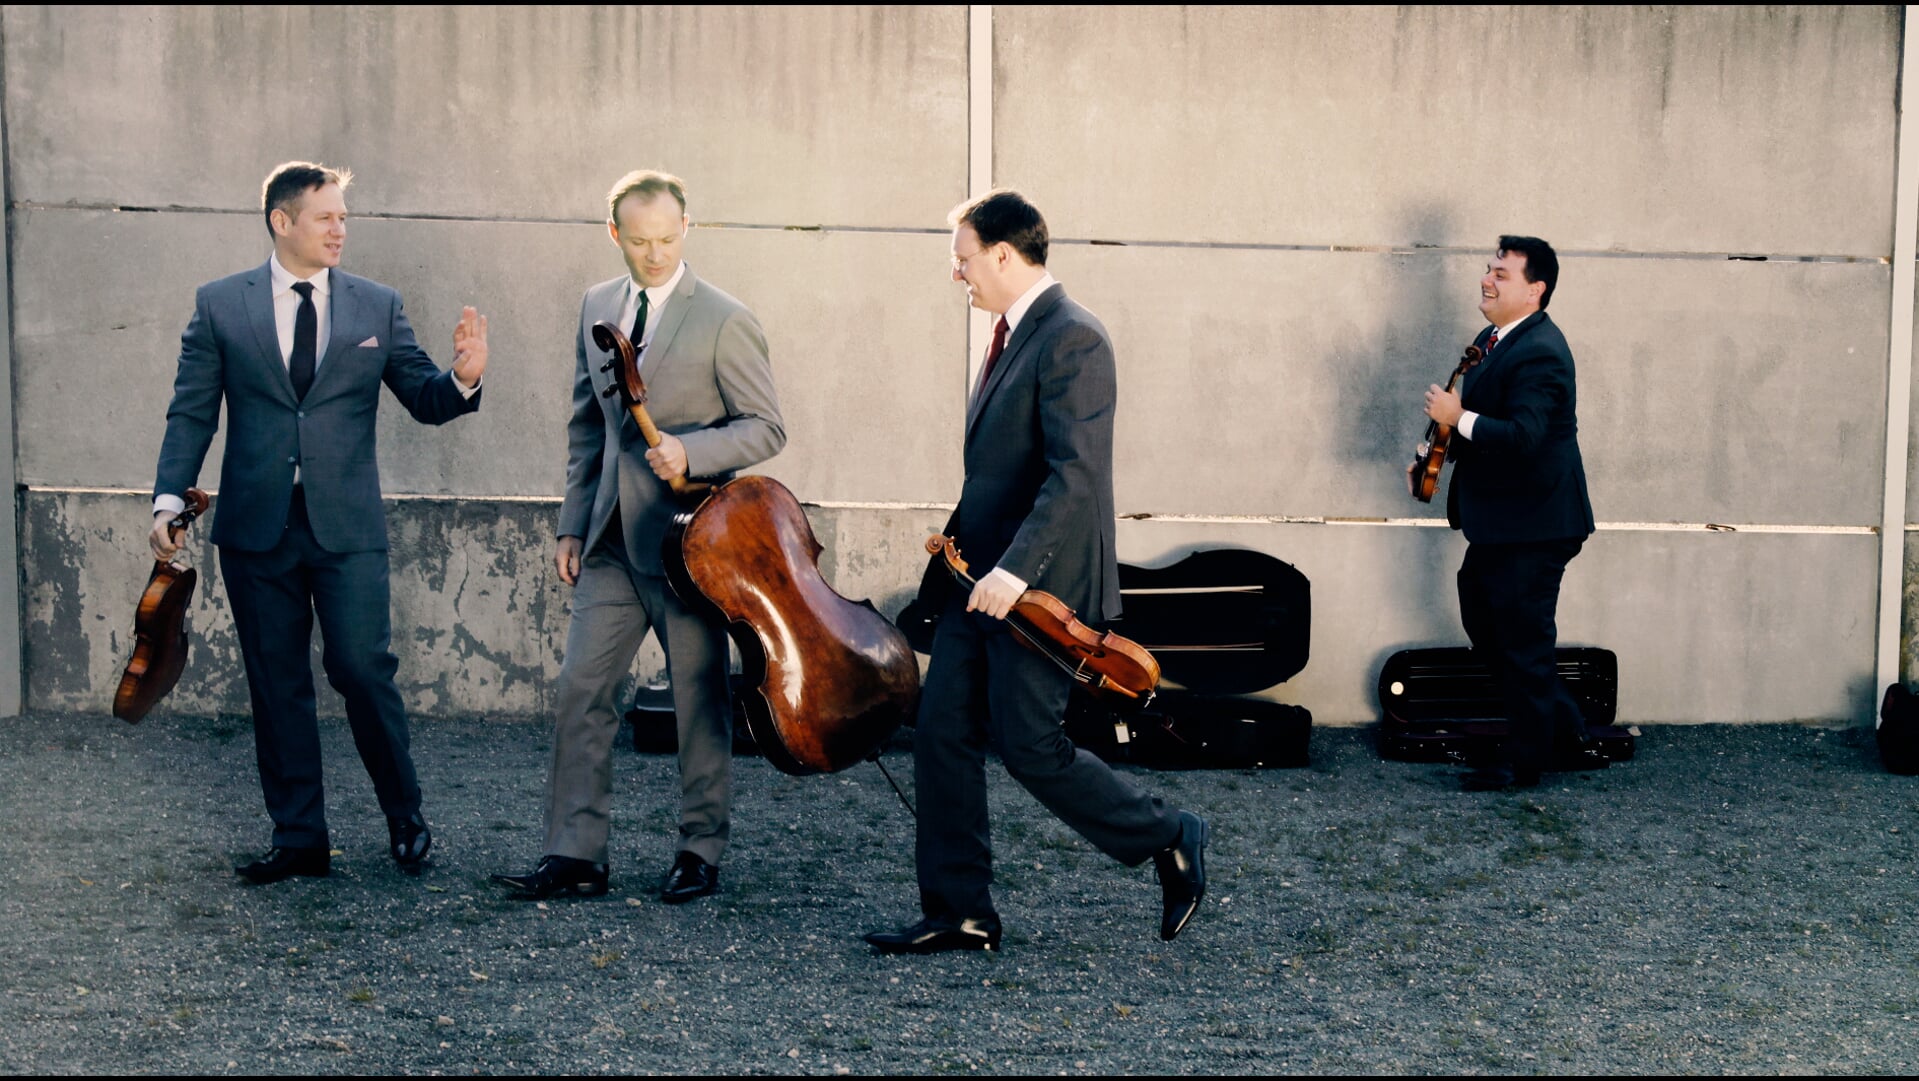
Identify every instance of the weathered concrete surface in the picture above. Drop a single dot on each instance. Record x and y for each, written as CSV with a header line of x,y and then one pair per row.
x,y
1709,627
867,336
787,116
1679,129
1290,382
479,617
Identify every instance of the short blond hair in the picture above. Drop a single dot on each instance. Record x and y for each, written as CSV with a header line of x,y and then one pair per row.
x,y
287,185
645,183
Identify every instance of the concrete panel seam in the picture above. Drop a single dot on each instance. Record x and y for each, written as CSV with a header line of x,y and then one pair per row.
x,y
1905,238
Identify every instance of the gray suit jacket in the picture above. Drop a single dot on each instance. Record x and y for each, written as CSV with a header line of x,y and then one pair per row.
x,y
1038,494
708,381
231,351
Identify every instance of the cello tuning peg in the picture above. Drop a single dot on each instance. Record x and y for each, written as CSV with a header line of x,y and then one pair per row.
x,y
608,366
608,392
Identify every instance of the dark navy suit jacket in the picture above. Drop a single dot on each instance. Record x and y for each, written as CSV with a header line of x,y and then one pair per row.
x,y
1520,478
231,351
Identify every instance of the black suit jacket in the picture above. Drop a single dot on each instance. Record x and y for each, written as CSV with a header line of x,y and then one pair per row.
x,y
1038,494
1520,477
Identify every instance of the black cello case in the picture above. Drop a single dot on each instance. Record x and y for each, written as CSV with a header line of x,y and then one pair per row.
x,y
1439,704
1221,622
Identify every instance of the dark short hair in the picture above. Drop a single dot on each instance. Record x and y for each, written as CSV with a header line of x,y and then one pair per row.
x,y
287,186
1542,265
645,183
1004,215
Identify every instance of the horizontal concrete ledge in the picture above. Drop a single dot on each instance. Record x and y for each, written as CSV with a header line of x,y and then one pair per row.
x,y
821,227
1132,516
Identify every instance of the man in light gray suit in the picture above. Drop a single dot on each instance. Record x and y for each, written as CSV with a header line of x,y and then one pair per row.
x,y
297,350
710,392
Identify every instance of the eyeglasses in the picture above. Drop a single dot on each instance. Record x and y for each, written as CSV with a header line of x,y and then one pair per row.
x,y
960,261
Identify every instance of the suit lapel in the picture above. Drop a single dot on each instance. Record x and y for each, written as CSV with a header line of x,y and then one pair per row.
x,y
1015,346
258,299
670,321
1471,378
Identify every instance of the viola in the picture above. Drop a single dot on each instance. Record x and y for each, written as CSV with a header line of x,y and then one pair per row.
x,y
160,625
625,366
1430,458
827,679
1113,668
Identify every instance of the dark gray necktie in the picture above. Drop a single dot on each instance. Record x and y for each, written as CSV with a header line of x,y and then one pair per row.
x,y
306,330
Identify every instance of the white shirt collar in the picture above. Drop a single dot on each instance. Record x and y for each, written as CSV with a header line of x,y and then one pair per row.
x,y
656,295
1506,331
1018,310
283,278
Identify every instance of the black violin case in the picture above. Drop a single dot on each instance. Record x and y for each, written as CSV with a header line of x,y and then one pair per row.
x,y
656,731
1221,623
1439,704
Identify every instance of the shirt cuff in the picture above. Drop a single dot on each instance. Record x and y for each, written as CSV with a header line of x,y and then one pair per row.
x,y
460,385
1006,577
168,504
1466,423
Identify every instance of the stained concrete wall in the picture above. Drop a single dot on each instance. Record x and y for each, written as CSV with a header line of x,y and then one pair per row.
x,y
1291,205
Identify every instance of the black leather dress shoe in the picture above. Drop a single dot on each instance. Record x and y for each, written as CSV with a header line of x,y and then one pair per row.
x,y
1499,778
409,840
558,875
689,877
281,863
1182,875
938,936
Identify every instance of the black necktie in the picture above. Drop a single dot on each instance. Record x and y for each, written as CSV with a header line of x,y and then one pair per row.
x,y
306,329
639,323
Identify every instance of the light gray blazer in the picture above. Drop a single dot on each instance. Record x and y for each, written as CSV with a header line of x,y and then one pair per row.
x,y
708,381
231,351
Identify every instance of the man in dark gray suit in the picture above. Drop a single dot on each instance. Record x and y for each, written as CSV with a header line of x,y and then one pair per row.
x,y
1036,507
710,392
297,350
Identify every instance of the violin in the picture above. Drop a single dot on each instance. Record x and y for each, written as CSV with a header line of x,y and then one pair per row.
x,y
1114,669
1430,458
625,366
160,626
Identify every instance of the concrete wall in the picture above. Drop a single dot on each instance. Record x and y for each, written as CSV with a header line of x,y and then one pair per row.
x,y
1291,208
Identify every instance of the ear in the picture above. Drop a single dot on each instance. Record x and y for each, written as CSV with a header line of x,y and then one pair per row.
x,y
686,222
613,231
282,222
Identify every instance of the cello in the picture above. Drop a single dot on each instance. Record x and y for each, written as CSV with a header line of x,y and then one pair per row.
x,y
160,626
1114,669
827,679
1430,458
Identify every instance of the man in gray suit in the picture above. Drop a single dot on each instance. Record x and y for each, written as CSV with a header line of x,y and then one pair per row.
x,y
297,350
1037,507
710,392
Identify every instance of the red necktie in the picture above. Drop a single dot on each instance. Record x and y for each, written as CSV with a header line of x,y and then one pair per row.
x,y
992,355
1492,341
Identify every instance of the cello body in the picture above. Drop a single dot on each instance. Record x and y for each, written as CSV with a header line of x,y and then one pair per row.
x,y
828,679
160,627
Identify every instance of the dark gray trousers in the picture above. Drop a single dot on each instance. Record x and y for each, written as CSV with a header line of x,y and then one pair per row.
x,y
983,688
1508,603
274,596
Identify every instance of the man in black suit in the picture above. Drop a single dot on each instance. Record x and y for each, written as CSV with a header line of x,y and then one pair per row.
x,y
1036,507
1519,495
297,349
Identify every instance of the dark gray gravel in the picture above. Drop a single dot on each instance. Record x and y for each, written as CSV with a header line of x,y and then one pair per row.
x,y
1737,899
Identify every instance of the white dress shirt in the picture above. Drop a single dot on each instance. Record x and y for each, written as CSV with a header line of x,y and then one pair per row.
x,y
1014,314
1467,418
656,298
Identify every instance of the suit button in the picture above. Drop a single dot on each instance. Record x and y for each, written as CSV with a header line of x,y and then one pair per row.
x,y
289,459
302,414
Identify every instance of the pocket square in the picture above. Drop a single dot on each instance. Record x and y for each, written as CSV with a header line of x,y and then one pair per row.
x,y
370,343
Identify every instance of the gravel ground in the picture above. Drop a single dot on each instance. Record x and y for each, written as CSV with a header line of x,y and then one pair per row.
x,y
1736,899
